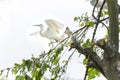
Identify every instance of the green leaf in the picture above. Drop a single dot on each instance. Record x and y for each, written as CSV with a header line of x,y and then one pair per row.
x,y
85,61
69,44
102,14
75,18
91,23
39,76
15,70
27,77
92,73
19,78
17,65
23,63
87,22
82,24
106,12
87,44
84,45
34,72
28,64
58,51
64,61
56,61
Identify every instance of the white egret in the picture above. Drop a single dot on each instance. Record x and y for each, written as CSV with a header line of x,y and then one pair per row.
x,y
54,30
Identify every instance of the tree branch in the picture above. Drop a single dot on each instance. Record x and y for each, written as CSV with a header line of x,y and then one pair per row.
x,y
97,19
88,52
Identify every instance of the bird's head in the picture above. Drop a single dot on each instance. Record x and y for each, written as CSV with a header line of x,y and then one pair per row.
x,y
39,25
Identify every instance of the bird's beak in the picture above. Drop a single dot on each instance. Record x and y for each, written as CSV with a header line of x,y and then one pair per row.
x,y
37,25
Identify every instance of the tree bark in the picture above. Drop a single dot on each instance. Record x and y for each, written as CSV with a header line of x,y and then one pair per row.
x,y
113,33
110,61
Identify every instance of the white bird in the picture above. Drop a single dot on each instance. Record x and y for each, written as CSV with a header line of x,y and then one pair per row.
x,y
54,30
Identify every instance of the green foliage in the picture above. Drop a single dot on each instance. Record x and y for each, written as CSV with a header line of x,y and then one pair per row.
x,y
76,18
87,44
35,68
84,20
85,61
92,73
20,78
69,44
104,13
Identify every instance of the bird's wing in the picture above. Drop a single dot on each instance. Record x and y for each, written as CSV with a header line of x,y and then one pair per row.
x,y
54,26
54,22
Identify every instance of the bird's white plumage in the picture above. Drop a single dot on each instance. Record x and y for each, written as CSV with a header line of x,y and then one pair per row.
x,y
54,30
54,26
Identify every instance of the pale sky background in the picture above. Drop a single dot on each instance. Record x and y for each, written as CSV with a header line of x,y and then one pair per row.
x,y
17,18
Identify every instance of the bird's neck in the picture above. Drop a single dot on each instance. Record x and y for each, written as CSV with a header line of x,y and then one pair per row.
x,y
42,33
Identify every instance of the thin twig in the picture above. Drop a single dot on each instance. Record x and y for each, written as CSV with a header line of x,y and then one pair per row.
x,y
98,19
